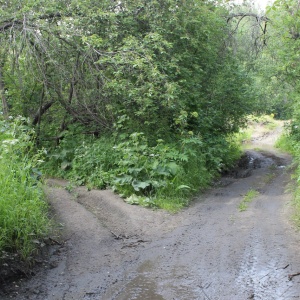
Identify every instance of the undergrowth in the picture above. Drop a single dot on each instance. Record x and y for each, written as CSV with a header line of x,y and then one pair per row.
x,y
23,212
290,142
163,173
154,174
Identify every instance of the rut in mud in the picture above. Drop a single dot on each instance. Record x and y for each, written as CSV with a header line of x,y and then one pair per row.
x,y
210,250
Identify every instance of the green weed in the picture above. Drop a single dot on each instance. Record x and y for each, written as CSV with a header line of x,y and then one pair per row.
x,y
296,204
154,174
249,196
271,125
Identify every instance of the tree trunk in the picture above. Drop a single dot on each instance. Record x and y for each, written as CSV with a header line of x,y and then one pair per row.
x,y
41,111
2,94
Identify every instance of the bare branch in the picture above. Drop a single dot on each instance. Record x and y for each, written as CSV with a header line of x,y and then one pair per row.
x,y
41,111
7,24
248,14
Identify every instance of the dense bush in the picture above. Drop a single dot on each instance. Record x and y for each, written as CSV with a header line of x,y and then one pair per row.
x,y
162,174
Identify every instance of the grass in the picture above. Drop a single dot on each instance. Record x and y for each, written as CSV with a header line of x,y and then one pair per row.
x,y
248,198
296,204
271,125
293,148
285,143
23,212
288,144
265,122
269,178
171,204
244,135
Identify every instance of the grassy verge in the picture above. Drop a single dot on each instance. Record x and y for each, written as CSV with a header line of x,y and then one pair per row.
x,y
289,144
286,143
23,212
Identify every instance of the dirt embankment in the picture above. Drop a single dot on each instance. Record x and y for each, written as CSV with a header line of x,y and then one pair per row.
x,y
210,250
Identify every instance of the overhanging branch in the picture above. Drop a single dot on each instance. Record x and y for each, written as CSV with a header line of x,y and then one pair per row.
x,y
248,14
7,24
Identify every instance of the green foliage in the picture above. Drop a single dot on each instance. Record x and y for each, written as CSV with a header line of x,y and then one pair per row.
x,y
290,142
221,152
59,160
162,175
243,136
285,143
147,60
23,213
295,147
93,163
144,170
122,69
278,64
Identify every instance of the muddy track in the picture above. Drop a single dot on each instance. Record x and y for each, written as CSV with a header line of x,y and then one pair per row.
x,y
211,250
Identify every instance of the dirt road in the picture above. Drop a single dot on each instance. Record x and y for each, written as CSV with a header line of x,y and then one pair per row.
x,y
210,250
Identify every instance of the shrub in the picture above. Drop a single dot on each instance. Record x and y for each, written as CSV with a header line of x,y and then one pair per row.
x,y
162,174
93,163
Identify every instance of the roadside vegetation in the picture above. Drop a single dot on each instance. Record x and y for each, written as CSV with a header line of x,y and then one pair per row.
x,y
23,212
289,142
164,175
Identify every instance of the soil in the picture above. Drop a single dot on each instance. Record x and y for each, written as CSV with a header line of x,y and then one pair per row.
x,y
210,250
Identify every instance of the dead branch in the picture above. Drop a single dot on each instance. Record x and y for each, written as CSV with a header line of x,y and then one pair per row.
x,y
41,111
247,14
7,24
291,276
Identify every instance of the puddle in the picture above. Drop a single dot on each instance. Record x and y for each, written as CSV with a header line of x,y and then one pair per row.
x,y
174,283
261,276
256,160
141,287
182,283
252,160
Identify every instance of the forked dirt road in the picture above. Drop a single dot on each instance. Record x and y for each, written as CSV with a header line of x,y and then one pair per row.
x,y
210,250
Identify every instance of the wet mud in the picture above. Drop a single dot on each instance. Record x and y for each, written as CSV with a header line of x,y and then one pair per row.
x,y
210,250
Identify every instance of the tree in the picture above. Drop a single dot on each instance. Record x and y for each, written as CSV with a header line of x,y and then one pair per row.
x,y
147,62
278,64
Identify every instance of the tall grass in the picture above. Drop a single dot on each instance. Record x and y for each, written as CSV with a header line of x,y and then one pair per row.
x,y
290,144
23,211
286,143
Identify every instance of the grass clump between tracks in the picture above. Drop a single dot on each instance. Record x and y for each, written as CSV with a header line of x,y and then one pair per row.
x,y
248,198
